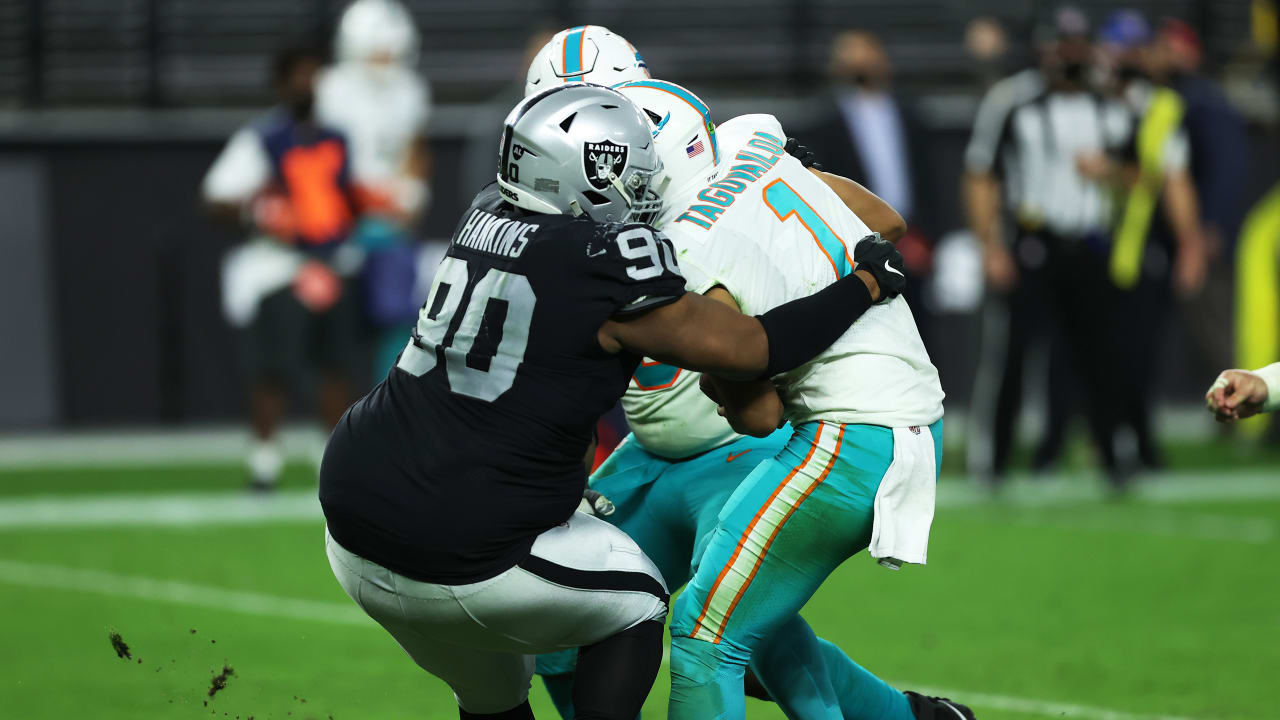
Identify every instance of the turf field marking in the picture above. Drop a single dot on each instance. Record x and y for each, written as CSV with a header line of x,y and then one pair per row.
x,y
156,448
138,509
1033,706
1172,488
1148,520
179,593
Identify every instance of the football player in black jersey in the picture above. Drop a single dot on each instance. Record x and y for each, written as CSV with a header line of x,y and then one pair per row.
x,y
450,489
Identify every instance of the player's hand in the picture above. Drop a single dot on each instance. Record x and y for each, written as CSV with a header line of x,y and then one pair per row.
x,y
594,503
1094,166
317,286
1001,271
806,156
273,214
1235,395
881,260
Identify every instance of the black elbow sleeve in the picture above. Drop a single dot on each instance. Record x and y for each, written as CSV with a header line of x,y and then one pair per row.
x,y
800,330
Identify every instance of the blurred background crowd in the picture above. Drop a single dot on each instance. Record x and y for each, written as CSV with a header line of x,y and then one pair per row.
x,y
215,211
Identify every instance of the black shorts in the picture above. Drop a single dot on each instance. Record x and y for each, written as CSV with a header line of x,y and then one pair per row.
x,y
287,343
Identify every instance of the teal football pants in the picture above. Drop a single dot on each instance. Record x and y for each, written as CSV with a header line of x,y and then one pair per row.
x,y
786,528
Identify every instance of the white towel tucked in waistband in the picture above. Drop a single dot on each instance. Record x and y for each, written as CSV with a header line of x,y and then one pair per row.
x,y
905,500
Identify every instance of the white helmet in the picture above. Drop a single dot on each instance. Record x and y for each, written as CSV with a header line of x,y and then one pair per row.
x,y
587,53
682,131
371,29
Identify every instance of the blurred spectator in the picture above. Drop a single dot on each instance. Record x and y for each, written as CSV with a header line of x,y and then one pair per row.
x,y
1219,155
288,287
1037,141
987,45
382,105
869,133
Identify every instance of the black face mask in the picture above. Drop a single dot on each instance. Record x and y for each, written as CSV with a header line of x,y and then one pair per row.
x,y
1074,72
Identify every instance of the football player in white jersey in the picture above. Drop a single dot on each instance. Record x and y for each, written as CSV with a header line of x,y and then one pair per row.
x,y
376,98
860,468
670,479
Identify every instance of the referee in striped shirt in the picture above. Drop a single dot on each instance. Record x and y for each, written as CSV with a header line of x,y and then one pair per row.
x,y
1043,217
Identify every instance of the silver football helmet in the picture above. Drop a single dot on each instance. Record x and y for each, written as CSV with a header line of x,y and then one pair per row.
x,y
580,149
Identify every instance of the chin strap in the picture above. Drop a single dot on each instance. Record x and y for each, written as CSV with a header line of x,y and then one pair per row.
x,y
616,182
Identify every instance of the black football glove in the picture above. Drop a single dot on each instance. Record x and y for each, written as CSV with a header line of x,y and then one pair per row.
x,y
803,154
880,258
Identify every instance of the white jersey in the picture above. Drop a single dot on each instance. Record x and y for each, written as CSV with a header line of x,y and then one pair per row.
x,y
381,111
770,231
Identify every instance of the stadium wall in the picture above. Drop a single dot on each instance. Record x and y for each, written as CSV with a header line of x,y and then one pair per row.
x,y
109,290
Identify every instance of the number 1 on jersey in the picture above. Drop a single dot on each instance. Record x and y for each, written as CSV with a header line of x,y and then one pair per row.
x,y
785,202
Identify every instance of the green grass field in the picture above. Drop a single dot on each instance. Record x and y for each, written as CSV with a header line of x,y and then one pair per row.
x,y
1051,602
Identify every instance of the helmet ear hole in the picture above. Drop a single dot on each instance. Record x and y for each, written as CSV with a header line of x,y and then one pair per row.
x,y
595,197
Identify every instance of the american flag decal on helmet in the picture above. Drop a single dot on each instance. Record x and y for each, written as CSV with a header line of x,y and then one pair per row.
x,y
696,148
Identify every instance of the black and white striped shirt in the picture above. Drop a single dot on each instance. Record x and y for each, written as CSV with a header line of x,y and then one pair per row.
x,y
1031,137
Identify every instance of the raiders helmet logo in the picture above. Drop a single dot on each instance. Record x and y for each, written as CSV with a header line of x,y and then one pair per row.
x,y
602,159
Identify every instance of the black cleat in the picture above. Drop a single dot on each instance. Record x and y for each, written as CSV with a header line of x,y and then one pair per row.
x,y
936,708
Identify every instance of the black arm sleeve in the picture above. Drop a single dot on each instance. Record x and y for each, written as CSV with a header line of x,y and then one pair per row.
x,y
800,330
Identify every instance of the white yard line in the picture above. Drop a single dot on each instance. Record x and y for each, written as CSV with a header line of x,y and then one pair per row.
x,y
180,593
148,448
187,509
1148,520
1034,706
221,444
170,509
1171,488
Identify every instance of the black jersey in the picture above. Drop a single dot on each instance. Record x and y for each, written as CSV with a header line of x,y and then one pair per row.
x,y
473,445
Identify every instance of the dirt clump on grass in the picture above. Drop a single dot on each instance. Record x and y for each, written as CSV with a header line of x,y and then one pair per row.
x,y
119,645
219,681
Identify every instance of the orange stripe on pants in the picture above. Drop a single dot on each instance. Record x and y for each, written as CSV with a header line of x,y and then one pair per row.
x,y
751,527
763,551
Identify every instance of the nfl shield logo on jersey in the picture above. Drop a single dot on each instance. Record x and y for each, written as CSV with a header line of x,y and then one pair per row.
x,y
602,159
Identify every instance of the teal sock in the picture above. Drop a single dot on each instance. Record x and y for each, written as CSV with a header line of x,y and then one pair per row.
x,y
560,688
706,680
790,664
863,696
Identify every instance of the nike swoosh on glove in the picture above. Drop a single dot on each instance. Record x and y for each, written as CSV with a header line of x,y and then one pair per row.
x,y
880,258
